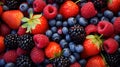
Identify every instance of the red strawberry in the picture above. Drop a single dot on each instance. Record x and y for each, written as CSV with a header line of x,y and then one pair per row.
x,y
88,10
92,45
37,55
117,25
41,40
12,18
114,5
21,51
1,10
2,46
69,9
52,49
10,56
21,31
4,29
76,64
96,61
36,24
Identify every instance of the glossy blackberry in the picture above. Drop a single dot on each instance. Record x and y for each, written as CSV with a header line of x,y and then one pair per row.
x,y
77,34
113,60
24,61
61,62
99,4
11,41
26,42
12,4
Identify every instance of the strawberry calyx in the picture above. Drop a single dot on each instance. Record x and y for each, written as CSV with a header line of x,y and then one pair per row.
x,y
77,1
104,60
31,22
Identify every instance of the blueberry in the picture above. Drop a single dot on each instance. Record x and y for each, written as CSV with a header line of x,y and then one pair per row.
x,y
59,23
59,1
59,17
65,30
77,17
104,18
56,37
65,24
63,43
99,15
13,32
71,21
119,13
52,22
72,58
83,21
30,1
94,20
10,65
78,48
30,10
2,62
109,14
82,62
77,55
5,7
48,33
55,5
67,37
72,46
113,19
23,7
46,61
117,38
54,29
66,52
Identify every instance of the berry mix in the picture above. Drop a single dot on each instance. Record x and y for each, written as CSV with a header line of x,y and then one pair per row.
x,y
59,33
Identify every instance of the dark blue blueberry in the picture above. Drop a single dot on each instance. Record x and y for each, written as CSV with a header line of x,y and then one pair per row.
x,y
94,20
72,58
67,37
59,23
13,32
30,10
117,38
52,22
119,13
10,65
30,1
113,19
66,52
71,21
63,43
5,8
77,55
82,4
109,14
59,17
65,24
72,46
56,37
49,33
99,15
59,1
104,18
82,62
55,5
46,61
23,7
2,62
78,48
83,21
54,29
83,1
65,30
77,17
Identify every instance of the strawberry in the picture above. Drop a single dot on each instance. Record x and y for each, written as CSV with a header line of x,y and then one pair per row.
x,y
1,10
2,46
69,9
114,5
96,61
92,45
12,18
36,24
52,49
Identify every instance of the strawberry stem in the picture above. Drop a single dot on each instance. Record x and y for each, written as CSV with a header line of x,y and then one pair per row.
x,y
77,1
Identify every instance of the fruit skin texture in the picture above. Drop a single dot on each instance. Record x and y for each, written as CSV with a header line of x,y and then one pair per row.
x,y
69,9
42,27
52,49
116,25
105,28
110,45
37,55
91,29
2,46
21,51
88,10
76,64
1,10
12,18
96,61
21,31
41,40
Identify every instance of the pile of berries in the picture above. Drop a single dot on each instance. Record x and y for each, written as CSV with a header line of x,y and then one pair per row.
x,y
59,33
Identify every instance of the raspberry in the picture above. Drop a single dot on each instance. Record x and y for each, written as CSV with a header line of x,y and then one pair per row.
x,y
88,10
10,56
117,25
21,31
76,64
37,55
21,51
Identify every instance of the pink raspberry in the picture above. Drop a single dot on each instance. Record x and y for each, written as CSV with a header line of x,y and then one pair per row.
x,y
21,51
117,25
21,31
91,29
76,64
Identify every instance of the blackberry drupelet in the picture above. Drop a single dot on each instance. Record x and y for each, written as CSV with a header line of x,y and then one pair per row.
x,y
12,4
77,34
11,41
24,61
113,60
26,42
61,61
99,4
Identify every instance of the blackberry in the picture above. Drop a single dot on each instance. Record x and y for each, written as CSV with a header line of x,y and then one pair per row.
x,y
11,41
77,34
12,4
26,42
99,4
113,60
24,61
61,62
